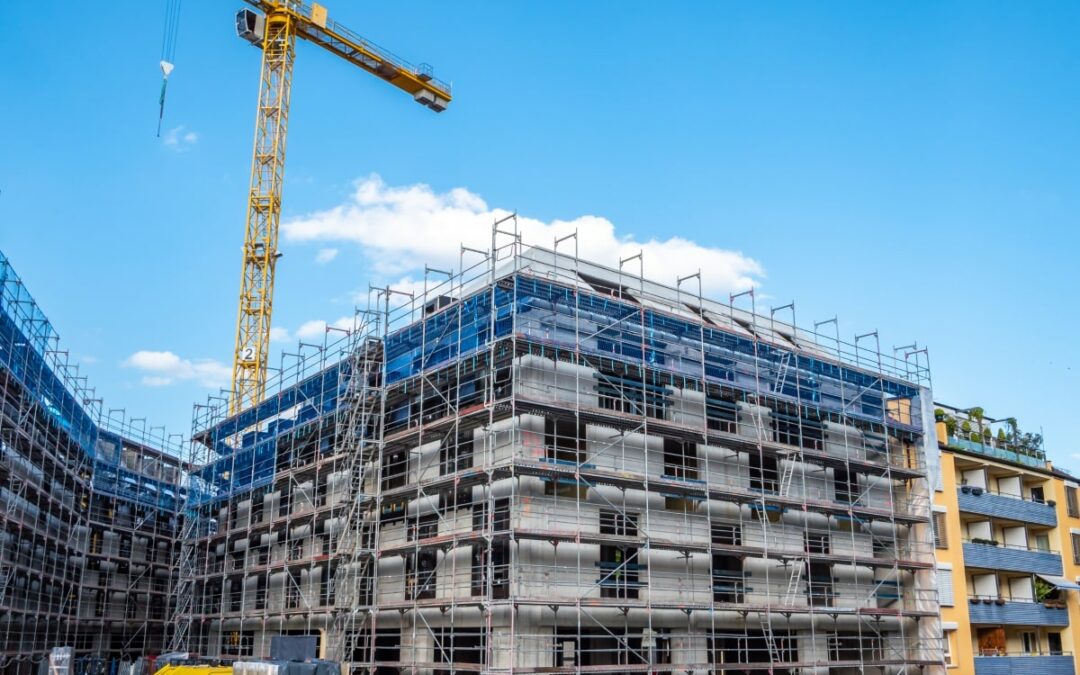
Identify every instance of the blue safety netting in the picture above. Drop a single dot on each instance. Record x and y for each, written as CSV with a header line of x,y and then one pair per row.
x,y
251,463
567,318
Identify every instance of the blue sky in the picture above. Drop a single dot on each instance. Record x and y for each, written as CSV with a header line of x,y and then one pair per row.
x,y
908,167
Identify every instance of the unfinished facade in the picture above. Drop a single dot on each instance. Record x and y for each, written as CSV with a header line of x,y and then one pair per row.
x,y
88,507
545,465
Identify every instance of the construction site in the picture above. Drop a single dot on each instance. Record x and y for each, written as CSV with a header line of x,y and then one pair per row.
x,y
534,463
538,464
543,465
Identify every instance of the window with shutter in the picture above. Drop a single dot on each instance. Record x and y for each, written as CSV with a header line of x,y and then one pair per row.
x,y
941,538
1071,502
1076,548
945,587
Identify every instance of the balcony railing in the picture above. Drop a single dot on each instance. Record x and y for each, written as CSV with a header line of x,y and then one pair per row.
x,y
1010,664
1012,558
1035,458
1015,613
982,501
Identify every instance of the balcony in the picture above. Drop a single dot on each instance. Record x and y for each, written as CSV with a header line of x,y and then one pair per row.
x,y
986,503
1012,559
1056,664
1014,613
1005,452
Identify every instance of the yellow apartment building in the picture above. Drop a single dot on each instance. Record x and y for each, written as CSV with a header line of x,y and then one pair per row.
x,y
1007,538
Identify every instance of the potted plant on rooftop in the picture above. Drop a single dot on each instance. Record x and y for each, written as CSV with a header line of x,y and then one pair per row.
x,y
976,414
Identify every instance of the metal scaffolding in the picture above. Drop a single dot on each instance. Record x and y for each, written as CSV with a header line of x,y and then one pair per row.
x,y
540,464
88,506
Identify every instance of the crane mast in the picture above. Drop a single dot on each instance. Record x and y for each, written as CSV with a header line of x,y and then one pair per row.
x,y
275,31
263,212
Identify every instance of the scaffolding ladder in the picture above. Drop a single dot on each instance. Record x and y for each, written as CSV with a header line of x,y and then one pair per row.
x,y
775,653
793,583
185,583
359,440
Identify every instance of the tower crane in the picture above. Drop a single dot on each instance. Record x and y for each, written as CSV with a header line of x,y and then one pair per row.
x,y
274,26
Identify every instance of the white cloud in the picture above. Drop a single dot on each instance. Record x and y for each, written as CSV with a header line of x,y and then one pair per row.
x,y
164,368
179,140
325,255
311,329
278,334
316,329
402,228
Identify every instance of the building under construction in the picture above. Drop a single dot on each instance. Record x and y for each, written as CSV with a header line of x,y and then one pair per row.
x,y
88,507
540,464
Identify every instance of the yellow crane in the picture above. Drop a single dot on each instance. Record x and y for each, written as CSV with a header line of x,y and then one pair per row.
x,y
274,26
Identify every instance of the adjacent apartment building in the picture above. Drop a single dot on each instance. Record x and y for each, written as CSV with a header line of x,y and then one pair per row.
x,y
1007,534
88,507
547,465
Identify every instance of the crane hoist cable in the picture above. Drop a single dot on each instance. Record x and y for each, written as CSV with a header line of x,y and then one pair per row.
x,y
168,52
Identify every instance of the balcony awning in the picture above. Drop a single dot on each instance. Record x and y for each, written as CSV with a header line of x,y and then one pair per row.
x,y
1059,582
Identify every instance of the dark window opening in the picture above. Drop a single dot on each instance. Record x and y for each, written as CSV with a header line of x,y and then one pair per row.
x,y
726,534
819,584
609,647
619,571
680,459
387,650
393,510
420,574
424,527
296,551
260,592
816,543
459,645
800,431
754,649
1053,642
729,582
618,524
847,485
450,499
721,415
293,597
395,469
456,453
236,643
493,563
435,401
849,647
503,383
763,472
500,521
564,440
622,392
